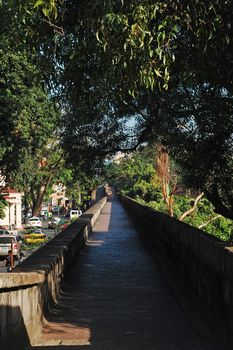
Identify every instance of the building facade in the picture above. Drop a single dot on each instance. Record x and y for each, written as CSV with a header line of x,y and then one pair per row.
x,y
13,210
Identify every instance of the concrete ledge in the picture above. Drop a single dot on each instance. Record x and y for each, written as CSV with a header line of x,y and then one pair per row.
x,y
14,280
27,294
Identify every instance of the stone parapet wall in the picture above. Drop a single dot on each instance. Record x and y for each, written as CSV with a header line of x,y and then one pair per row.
x,y
97,194
27,294
198,262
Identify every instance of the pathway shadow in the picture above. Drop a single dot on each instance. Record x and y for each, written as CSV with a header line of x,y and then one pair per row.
x,y
19,338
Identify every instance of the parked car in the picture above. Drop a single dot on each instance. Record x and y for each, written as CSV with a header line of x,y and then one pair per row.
x,y
75,213
64,226
34,221
44,211
4,232
34,235
51,224
54,222
56,209
26,214
32,229
9,241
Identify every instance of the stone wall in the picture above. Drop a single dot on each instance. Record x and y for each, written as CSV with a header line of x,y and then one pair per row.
x,y
27,293
97,194
198,262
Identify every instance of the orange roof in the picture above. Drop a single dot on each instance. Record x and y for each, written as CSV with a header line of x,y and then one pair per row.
x,y
6,190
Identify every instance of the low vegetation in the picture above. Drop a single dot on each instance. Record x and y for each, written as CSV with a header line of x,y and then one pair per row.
x,y
139,176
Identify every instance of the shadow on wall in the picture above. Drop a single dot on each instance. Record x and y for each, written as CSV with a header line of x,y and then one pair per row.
x,y
97,194
61,347
19,337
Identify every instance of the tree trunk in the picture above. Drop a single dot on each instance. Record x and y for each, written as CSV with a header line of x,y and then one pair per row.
x,y
220,207
39,197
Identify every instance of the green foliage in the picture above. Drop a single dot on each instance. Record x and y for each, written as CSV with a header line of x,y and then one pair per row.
x,y
27,115
220,227
147,30
79,188
102,57
49,8
3,204
141,37
135,177
198,133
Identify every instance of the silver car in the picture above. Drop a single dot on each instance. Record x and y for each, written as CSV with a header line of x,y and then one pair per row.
x,y
10,242
4,232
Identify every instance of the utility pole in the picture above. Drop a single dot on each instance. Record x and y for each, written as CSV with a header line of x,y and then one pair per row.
x,y
12,255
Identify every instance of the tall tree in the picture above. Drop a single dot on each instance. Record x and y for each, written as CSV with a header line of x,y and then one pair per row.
x,y
27,114
200,139
131,46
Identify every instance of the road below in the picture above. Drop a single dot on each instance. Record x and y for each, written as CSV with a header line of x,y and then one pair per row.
x,y
50,233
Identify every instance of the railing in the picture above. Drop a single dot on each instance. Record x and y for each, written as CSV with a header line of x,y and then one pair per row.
x,y
197,262
27,294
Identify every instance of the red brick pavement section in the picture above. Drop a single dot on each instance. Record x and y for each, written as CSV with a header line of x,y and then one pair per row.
x,y
115,299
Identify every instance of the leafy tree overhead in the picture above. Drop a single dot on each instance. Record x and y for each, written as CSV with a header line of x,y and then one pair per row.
x,y
140,39
36,185
198,132
27,114
107,54
28,117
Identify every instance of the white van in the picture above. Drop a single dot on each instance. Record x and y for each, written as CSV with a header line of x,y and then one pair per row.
x,y
75,213
44,210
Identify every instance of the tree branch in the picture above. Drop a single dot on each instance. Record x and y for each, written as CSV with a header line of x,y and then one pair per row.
x,y
188,212
210,220
56,29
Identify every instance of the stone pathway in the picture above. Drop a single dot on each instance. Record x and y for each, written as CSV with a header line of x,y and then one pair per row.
x,y
114,298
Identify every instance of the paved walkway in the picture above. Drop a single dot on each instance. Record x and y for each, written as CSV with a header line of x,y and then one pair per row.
x,y
115,298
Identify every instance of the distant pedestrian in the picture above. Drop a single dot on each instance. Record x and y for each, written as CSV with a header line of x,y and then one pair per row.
x,y
7,261
22,257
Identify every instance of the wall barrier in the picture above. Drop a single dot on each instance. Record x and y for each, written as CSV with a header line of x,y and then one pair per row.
x,y
197,261
27,294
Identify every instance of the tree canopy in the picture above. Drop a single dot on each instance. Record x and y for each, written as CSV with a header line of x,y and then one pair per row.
x,y
130,72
